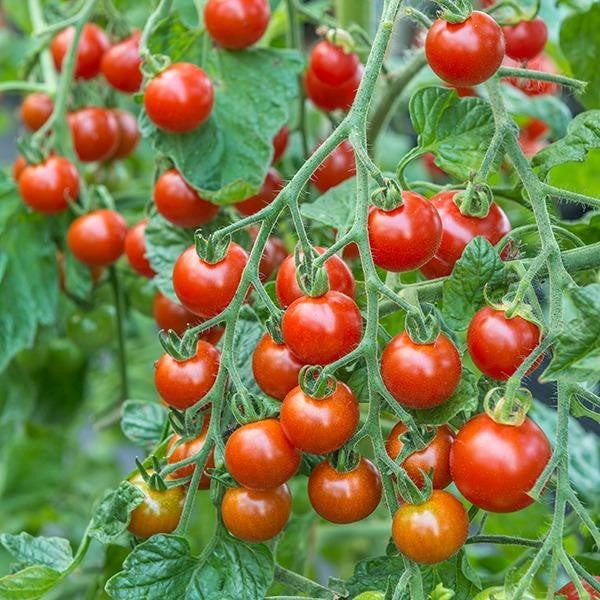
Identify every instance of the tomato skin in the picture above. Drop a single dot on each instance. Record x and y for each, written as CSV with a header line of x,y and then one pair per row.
x,y
526,39
259,456
92,329
121,65
280,143
320,426
319,331
420,375
256,515
465,54
338,274
407,237
535,87
458,230
332,64
236,24
180,98
345,497
207,289
36,110
179,202
172,315
275,368
431,532
49,186
18,167
330,97
495,465
273,255
92,45
569,591
337,167
436,456
499,345
269,190
97,238
129,134
95,133
135,250
177,450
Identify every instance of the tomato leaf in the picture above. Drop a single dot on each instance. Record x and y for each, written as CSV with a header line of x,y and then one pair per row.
x,y
143,422
175,39
248,331
52,552
375,574
28,584
335,207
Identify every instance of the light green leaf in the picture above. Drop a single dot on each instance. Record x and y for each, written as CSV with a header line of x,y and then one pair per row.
x,y
335,207
52,552
175,39
143,422
248,331
29,584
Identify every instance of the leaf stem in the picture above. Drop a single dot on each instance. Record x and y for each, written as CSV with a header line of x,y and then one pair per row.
x,y
120,310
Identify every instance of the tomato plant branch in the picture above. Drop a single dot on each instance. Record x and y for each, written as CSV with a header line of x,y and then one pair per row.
x,y
120,312
570,196
38,25
301,584
503,539
26,86
576,84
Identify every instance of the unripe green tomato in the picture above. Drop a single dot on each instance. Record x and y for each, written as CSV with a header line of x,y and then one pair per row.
x,y
33,359
64,357
370,596
497,593
92,329
141,295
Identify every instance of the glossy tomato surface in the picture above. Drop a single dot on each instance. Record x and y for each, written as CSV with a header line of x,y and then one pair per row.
x,y
236,24
135,249
280,143
271,186
332,97
92,45
526,39
18,167
169,314
332,64
95,133
273,255
121,65
180,450
36,110
337,167
129,134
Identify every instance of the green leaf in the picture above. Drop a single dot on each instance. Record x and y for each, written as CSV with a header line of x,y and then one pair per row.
x,y
29,584
143,422
580,177
176,40
375,574
335,207
248,331
587,228
78,277
52,552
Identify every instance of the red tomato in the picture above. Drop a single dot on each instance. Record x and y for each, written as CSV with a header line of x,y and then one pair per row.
x,y
535,128
259,456
273,255
236,24
499,345
420,375
121,65
436,456
458,230
19,166
467,53
465,92
407,237
36,110
526,39
332,64
269,190
178,450
431,532
495,465
135,250
95,133
275,368
179,202
180,98
280,143
49,186
330,97
535,87
320,426
339,275
256,515
208,289
171,315
569,591
182,383
129,134
345,497
92,45
319,331
337,167
530,146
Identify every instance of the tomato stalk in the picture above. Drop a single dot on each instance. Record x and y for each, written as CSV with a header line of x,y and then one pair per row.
x,y
357,12
575,84
122,354
38,24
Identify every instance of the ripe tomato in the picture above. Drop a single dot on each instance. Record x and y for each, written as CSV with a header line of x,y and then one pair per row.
x,y
159,512
320,330
330,97
208,289
95,133
420,375
332,64
535,87
280,143
498,345
273,255
92,45
526,39
36,110
407,237
97,238
92,329
180,98
271,186
337,167
436,456
135,250
18,167
236,24
129,134
345,497
121,65
535,128
569,591
467,53
171,315
256,515
179,203
530,146
320,426
495,465
431,532
275,368
49,186
259,456
458,230
178,450
338,274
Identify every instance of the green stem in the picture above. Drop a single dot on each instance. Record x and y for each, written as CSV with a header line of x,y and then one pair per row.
x,y
120,310
38,24
301,584
505,540
161,12
571,196
575,84
26,86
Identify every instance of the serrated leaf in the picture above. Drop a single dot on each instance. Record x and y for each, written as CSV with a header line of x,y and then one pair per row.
x,y
248,331
375,574
52,552
143,422
336,207
28,584
175,39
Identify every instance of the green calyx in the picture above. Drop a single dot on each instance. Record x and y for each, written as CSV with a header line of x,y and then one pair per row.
x,y
387,197
211,249
454,11
423,325
312,280
475,200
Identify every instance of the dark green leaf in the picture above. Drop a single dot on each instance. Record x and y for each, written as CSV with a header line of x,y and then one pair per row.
x,y
29,584
587,228
248,331
53,552
143,422
375,574
78,277
335,207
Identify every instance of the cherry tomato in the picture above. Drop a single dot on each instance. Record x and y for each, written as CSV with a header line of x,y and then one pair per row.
x,y
171,315
49,186
319,331
420,375
97,238
207,289
458,230
338,274
256,515
95,133
129,134
18,167
271,186
236,24
467,53
259,456
179,203
121,65
337,167
180,98
407,237
526,39
436,456
93,329
64,357
536,128
135,249
36,110
280,143
159,512
431,532
92,45
345,497
530,146
569,591
320,426
273,255
330,97
535,87
275,368
495,465
178,450
465,92
332,64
